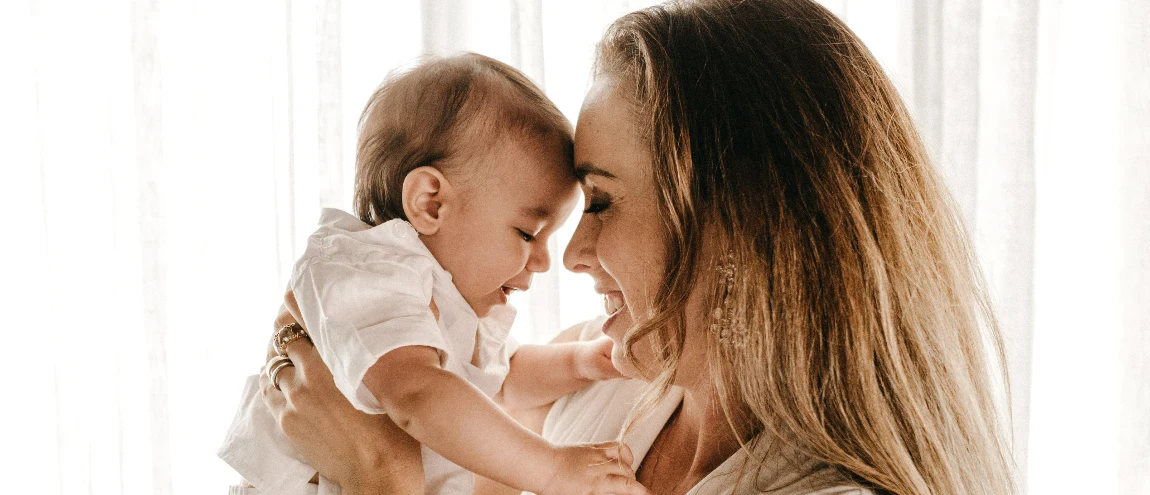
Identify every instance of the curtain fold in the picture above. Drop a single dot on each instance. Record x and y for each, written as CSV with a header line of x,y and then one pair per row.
x,y
329,86
445,28
957,151
149,162
1005,181
1134,189
281,124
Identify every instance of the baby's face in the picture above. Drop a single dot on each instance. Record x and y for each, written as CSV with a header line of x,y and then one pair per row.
x,y
512,198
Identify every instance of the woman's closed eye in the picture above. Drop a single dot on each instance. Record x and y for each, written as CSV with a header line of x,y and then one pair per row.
x,y
597,207
597,202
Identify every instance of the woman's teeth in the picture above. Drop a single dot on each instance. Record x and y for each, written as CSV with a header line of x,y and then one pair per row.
x,y
612,303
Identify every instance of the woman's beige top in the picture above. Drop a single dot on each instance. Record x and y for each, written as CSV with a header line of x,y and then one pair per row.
x,y
597,413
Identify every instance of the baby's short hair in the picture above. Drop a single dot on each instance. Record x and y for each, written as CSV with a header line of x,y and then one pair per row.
x,y
436,112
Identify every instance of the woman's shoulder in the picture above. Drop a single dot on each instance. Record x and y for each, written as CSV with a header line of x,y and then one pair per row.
x,y
799,487
835,490
771,468
843,490
750,488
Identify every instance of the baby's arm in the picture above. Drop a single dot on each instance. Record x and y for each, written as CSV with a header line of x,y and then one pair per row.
x,y
455,419
541,374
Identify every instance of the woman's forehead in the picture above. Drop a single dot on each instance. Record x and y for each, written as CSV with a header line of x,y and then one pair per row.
x,y
607,138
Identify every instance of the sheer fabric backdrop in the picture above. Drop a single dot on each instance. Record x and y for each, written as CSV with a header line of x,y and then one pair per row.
x,y
163,162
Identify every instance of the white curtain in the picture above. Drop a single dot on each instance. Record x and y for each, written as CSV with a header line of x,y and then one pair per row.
x,y
162,161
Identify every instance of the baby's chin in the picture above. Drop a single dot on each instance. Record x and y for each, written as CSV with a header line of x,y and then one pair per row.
x,y
481,305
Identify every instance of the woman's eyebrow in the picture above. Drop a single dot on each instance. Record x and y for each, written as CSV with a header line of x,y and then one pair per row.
x,y
584,169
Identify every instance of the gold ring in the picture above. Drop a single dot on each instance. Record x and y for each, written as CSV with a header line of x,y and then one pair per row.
x,y
288,334
274,372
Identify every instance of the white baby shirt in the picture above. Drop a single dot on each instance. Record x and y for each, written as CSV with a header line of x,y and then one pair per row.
x,y
362,292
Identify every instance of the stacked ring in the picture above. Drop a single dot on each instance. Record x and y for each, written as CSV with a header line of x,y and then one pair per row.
x,y
274,367
288,334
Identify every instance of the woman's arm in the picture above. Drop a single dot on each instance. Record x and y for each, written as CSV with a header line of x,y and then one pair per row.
x,y
361,452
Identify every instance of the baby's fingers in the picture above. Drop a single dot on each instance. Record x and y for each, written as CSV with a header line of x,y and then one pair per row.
x,y
617,450
621,485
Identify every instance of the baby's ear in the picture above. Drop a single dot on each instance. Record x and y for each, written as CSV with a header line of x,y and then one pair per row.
x,y
424,191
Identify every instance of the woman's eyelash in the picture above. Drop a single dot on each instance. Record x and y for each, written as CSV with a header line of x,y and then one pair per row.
x,y
597,207
527,237
597,202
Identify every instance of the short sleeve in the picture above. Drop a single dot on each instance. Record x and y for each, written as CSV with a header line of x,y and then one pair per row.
x,y
510,346
358,308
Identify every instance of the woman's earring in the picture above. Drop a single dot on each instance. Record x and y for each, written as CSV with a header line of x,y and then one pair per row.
x,y
729,324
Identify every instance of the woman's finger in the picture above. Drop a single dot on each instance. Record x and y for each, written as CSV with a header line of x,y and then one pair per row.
x,y
304,355
292,306
288,314
283,319
286,379
273,399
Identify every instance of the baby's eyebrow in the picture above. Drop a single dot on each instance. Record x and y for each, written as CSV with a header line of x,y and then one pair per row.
x,y
536,212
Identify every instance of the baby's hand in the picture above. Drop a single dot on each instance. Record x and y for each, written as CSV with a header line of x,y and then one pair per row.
x,y
599,469
593,360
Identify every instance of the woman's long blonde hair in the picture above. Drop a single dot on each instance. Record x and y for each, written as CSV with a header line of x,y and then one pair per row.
x,y
857,328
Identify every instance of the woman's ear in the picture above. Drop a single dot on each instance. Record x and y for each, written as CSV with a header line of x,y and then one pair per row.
x,y
425,191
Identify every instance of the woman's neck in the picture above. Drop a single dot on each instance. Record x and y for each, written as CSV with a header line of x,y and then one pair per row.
x,y
695,441
702,419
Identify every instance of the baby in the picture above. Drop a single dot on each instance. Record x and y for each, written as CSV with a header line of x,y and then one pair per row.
x,y
464,170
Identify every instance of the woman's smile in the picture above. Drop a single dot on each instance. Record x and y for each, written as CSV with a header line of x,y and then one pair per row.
x,y
614,305
612,302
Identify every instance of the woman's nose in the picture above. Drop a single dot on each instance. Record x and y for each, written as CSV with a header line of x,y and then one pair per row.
x,y
579,256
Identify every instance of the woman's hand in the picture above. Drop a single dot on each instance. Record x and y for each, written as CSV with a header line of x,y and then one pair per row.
x,y
363,453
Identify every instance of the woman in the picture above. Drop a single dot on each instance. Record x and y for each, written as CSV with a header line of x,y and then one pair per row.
x,y
783,265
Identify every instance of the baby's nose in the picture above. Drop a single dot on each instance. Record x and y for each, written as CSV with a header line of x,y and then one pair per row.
x,y
540,260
